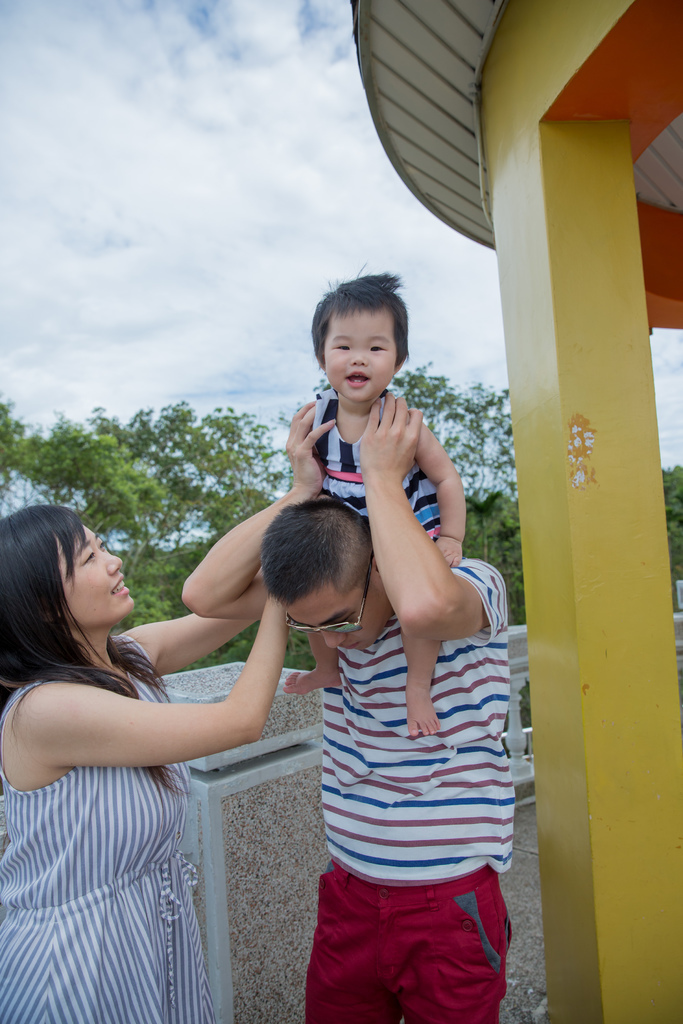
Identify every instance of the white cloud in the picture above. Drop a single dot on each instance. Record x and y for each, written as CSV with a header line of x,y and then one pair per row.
x,y
667,364
180,182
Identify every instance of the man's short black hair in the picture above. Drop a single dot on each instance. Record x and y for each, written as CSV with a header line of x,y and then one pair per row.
x,y
313,544
371,294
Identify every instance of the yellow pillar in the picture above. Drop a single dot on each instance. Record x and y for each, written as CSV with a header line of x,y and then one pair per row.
x,y
607,732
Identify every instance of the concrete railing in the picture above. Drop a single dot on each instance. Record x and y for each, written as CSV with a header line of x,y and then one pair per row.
x,y
256,834
518,740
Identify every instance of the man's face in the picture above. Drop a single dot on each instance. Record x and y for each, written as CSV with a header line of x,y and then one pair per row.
x,y
328,605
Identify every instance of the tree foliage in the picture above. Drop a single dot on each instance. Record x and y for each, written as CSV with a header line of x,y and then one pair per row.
x,y
162,488
472,423
673,500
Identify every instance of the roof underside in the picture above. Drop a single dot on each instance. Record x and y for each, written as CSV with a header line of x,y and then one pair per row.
x,y
658,171
421,62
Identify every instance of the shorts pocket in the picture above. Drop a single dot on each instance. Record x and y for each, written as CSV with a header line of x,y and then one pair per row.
x,y
469,905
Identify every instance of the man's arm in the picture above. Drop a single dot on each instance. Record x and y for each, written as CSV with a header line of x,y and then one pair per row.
x,y
227,583
429,600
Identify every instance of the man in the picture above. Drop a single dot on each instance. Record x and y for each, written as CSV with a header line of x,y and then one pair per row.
x,y
411,920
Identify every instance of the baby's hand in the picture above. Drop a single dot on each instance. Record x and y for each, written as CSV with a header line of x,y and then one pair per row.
x,y
451,549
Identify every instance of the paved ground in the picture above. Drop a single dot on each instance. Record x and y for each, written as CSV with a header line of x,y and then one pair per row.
x,y
525,1002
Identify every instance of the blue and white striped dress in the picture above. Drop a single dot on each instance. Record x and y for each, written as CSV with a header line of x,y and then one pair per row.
x,y
100,926
345,481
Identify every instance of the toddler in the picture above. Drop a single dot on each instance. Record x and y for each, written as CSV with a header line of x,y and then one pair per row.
x,y
360,336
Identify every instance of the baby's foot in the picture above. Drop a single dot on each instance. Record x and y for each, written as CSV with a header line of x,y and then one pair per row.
x,y
304,682
422,718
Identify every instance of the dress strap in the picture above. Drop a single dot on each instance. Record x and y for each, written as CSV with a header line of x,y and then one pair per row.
x,y
168,901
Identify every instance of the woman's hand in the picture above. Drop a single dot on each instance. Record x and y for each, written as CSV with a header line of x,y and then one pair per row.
x,y
309,472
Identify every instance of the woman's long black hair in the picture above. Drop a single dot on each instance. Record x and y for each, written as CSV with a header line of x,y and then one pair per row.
x,y
38,634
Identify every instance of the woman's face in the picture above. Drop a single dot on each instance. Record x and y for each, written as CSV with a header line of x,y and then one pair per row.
x,y
95,592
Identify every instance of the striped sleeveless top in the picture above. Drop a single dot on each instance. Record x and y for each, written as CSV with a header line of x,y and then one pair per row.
x,y
100,926
345,481
405,811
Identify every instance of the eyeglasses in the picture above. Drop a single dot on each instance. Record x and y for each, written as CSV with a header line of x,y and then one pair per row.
x,y
334,627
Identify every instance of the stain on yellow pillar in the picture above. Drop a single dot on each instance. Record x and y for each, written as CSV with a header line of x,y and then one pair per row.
x,y
579,452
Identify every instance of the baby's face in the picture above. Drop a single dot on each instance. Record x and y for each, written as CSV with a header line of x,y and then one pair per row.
x,y
359,358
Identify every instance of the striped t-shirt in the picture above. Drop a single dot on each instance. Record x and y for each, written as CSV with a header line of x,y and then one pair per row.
x,y
406,811
344,479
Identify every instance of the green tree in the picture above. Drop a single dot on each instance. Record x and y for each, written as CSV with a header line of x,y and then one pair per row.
x,y
11,435
212,474
95,474
160,489
215,471
472,423
673,500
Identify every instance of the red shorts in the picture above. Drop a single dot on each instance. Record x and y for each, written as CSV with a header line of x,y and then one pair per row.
x,y
434,953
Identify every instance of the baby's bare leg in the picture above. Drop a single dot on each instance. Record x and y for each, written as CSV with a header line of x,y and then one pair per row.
x,y
421,657
325,673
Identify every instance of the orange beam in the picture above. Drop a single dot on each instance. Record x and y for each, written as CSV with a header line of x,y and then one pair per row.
x,y
661,240
633,75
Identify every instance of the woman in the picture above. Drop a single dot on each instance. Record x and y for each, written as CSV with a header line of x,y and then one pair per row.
x,y
100,924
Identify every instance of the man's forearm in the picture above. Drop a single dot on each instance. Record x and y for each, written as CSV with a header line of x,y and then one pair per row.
x,y
223,583
429,600
416,577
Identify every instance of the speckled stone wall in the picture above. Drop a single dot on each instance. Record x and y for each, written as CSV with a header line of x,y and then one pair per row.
x,y
293,719
275,851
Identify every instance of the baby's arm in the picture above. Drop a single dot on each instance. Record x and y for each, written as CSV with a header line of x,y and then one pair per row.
x,y
435,464
325,673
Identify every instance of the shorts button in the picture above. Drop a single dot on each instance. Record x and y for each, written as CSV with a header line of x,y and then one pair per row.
x,y
384,894
322,883
467,925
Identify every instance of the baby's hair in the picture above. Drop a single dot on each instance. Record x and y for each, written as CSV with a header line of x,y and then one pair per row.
x,y
371,293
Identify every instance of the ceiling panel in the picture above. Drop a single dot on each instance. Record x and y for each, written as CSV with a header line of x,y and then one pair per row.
x,y
658,172
419,60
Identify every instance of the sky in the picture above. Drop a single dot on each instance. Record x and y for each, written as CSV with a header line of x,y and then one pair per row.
x,y
180,182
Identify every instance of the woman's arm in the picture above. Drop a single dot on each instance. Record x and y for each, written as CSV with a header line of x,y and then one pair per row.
x,y
66,724
174,644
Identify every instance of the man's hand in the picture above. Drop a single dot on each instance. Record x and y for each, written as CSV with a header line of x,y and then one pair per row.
x,y
309,472
388,445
